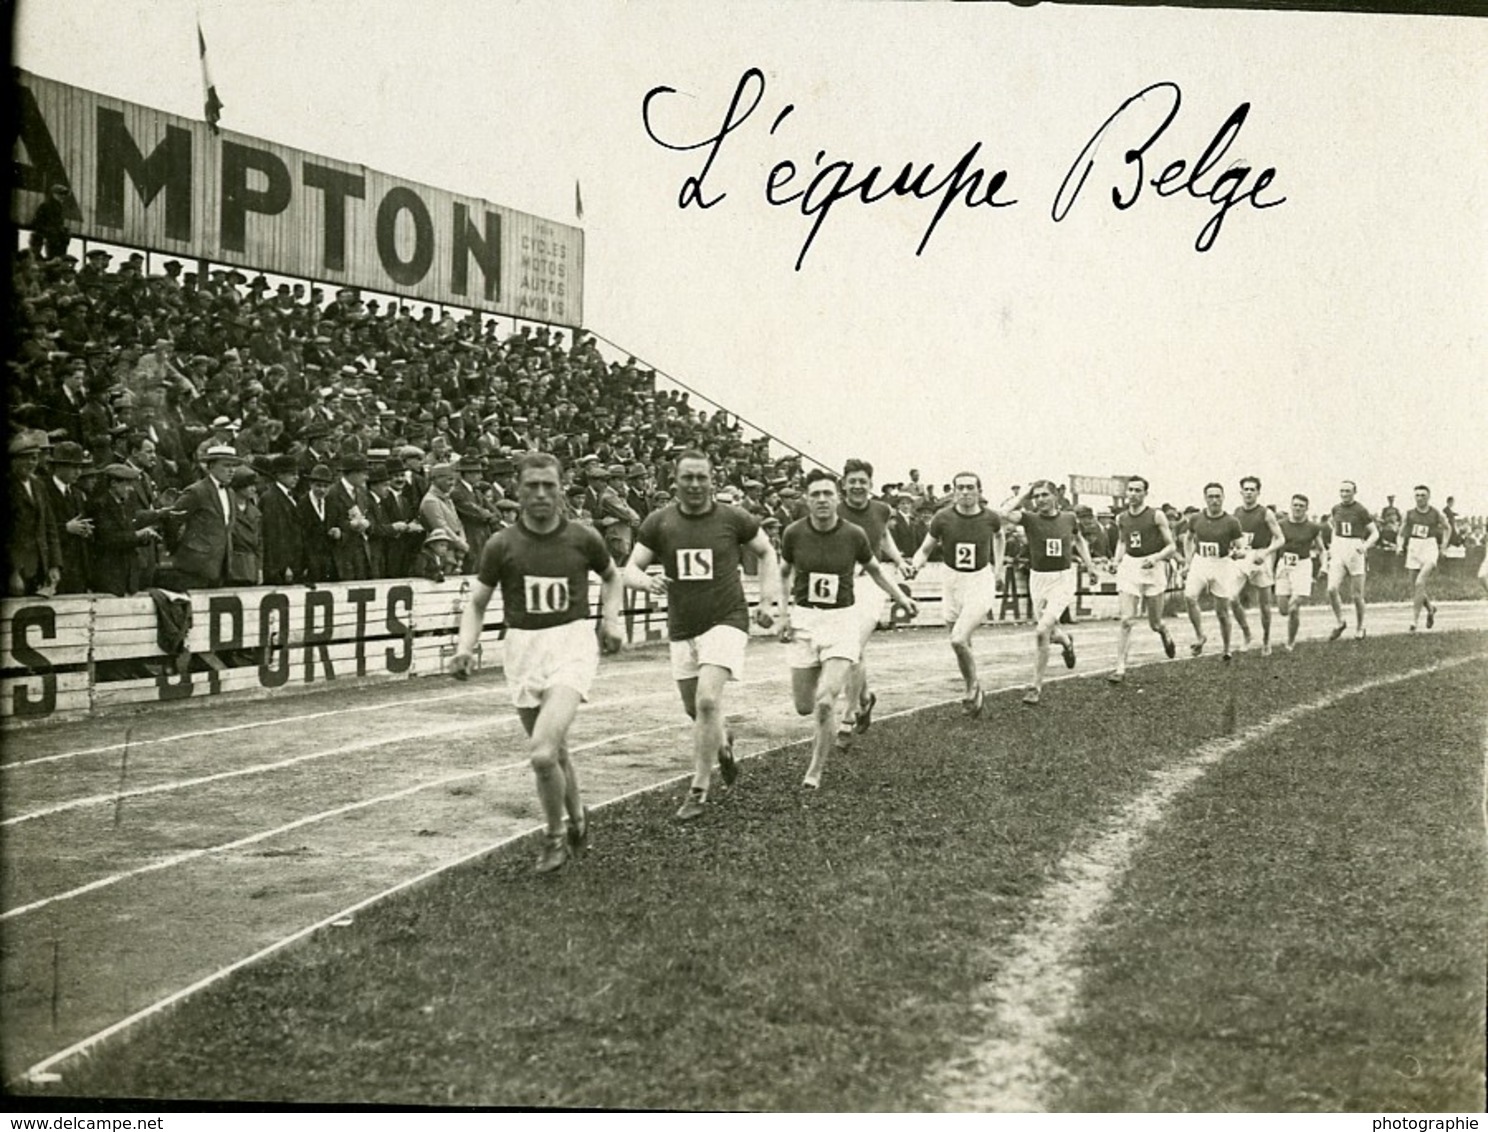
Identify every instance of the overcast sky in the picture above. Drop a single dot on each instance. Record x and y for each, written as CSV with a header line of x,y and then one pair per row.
x,y
1337,334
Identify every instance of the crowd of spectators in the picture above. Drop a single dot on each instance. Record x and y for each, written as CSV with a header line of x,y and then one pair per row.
x,y
185,432
392,435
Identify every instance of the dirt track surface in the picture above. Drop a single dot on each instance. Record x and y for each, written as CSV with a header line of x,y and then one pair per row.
x,y
130,874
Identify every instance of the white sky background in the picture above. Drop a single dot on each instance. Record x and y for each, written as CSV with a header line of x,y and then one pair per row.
x,y
1340,334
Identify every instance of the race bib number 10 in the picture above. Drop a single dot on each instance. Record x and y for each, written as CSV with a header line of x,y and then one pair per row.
x,y
545,595
822,588
695,564
966,556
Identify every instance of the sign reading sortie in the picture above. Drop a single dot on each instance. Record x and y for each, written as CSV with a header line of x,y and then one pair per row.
x,y
148,179
1106,487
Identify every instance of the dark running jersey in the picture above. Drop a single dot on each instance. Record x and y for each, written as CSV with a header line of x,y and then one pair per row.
x,y
1139,533
700,556
543,578
1255,532
1422,525
1297,540
1213,538
823,562
1051,539
1351,520
873,518
965,540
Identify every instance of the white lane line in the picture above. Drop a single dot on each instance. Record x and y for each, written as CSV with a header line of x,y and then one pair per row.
x,y
606,676
1035,991
85,1045
349,748
312,819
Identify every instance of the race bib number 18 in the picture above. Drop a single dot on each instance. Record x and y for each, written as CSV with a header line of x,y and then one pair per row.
x,y
545,595
695,564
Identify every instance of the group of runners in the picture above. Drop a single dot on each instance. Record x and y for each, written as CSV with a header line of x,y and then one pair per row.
x,y
826,590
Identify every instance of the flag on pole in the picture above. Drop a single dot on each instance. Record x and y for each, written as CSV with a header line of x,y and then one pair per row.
x,y
209,90
578,200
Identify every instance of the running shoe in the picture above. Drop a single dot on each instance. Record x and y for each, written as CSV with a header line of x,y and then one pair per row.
x,y
1068,648
1116,678
865,714
554,853
844,739
695,806
1430,616
1031,696
1197,647
812,781
1359,635
973,706
728,766
1170,646
1337,631
1226,657
578,837
1266,650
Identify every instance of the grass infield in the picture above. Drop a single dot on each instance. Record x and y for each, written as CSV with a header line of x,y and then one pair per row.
x,y
1307,921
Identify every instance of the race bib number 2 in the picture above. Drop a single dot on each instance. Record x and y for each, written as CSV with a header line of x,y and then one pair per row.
x,y
695,564
966,556
545,595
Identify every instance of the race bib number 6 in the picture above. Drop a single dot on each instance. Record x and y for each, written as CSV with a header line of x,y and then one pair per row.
x,y
545,595
966,556
695,564
822,588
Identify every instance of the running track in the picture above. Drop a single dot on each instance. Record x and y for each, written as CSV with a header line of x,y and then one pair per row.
x,y
147,853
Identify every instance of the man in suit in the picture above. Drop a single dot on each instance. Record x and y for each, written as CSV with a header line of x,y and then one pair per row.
x,y
281,530
69,510
202,548
437,511
476,519
320,563
35,545
115,566
347,522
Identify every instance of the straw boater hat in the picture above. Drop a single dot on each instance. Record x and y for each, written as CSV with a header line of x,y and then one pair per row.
x,y
222,452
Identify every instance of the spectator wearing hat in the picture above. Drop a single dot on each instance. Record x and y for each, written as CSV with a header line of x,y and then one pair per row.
x,y
282,528
616,521
476,520
51,224
202,547
410,481
245,560
387,537
1095,534
97,420
437,510
35,542
118,532
440,556
319,560
638,487
69,510
905,527
223,435
347,524
320,449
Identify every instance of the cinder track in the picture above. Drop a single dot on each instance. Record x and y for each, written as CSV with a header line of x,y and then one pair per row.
x,y
132,874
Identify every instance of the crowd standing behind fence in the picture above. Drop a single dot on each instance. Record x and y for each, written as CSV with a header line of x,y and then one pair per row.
x,y
345,435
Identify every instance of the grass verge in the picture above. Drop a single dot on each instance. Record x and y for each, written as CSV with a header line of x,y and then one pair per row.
x,y
789,951
1305,932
